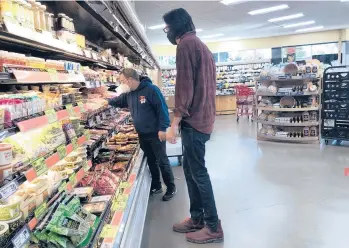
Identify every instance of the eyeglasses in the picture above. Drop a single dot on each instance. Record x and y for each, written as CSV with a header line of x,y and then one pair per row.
x,y
166,29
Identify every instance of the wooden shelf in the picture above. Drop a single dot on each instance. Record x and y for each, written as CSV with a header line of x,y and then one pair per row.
x,y
288,139
287,94
302,124
287,109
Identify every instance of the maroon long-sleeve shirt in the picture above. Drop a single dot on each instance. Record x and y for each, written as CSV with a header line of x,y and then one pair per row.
x,y
195,84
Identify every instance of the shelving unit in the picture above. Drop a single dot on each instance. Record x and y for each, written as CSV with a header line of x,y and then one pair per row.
x,y
335,112
296,123
63,113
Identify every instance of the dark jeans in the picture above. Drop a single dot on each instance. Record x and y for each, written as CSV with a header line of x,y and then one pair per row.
x,y
155,151
202,202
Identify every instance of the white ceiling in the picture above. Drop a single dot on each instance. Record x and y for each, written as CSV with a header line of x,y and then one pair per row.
x,y
234,22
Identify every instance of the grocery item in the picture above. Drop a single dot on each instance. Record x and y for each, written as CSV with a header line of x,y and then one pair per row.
x,y
95,207
5,154
14,223
4,233
10,209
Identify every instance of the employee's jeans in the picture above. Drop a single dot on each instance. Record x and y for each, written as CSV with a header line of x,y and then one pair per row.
x,y
202,202
155,151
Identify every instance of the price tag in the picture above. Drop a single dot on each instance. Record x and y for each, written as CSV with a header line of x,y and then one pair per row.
x,y
9,189
40,211
21,238
72,179
53,75
70,110
74,142
125,185
62,152
40,166
82,107
63,187
118,206
51,115
109,231
98,119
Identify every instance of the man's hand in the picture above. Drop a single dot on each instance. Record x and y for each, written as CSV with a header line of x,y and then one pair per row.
x,y
171,134
162,136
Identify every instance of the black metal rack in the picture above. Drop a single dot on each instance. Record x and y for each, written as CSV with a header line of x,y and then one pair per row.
x,y
335,103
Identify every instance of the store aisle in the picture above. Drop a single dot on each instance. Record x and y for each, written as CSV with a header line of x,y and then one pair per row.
x,y
269,195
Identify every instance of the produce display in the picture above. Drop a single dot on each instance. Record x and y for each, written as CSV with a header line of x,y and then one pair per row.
x,y
288,102
67,159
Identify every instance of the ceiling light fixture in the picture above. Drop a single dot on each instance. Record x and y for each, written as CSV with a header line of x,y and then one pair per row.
x,y
211,36
298,24
268,10
285,18
199,30
227,2
157,26
309,29
344,0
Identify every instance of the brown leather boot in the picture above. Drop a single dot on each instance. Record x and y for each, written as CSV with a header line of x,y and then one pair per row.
x,y
188,225
205,235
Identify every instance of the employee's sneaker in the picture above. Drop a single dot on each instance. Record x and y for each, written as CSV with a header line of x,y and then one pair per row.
x,y
170,193
205,236
189,225
155,191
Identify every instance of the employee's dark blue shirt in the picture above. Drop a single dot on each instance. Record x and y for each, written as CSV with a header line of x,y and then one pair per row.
x,y
148,107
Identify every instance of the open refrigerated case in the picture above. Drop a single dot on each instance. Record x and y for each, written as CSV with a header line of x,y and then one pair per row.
x,y
65,155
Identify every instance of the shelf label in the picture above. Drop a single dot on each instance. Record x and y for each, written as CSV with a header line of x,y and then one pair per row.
x,y
9,189
53,75
40,166
109,231
72,179
21,238
81,106
62,152
74,142
51,115
40,211
63,187
70,110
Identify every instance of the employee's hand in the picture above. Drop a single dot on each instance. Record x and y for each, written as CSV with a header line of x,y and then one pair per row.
x,y
171,135
162,136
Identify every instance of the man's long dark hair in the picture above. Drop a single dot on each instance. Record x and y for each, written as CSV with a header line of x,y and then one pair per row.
x,y
179,21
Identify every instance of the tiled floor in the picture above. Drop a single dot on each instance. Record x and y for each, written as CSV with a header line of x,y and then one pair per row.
x,y
269,195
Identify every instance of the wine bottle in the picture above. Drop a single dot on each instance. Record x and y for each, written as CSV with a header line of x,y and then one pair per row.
x,y
297,119
294,119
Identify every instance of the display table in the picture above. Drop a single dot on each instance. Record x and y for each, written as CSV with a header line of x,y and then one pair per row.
x,y
225,104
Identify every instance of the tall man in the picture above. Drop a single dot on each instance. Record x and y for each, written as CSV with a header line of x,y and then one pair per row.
x,y
151,119
195,112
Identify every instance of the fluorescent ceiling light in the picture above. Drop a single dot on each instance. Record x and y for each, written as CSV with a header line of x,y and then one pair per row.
x,y
211,36
285,18
299,24
309,29
268,10
157,26
199,30
344,0
227,2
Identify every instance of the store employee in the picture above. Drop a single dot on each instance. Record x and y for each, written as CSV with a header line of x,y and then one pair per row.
x,y
151,119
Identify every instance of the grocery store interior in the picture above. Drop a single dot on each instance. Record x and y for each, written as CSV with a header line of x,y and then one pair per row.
x,y
72,173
